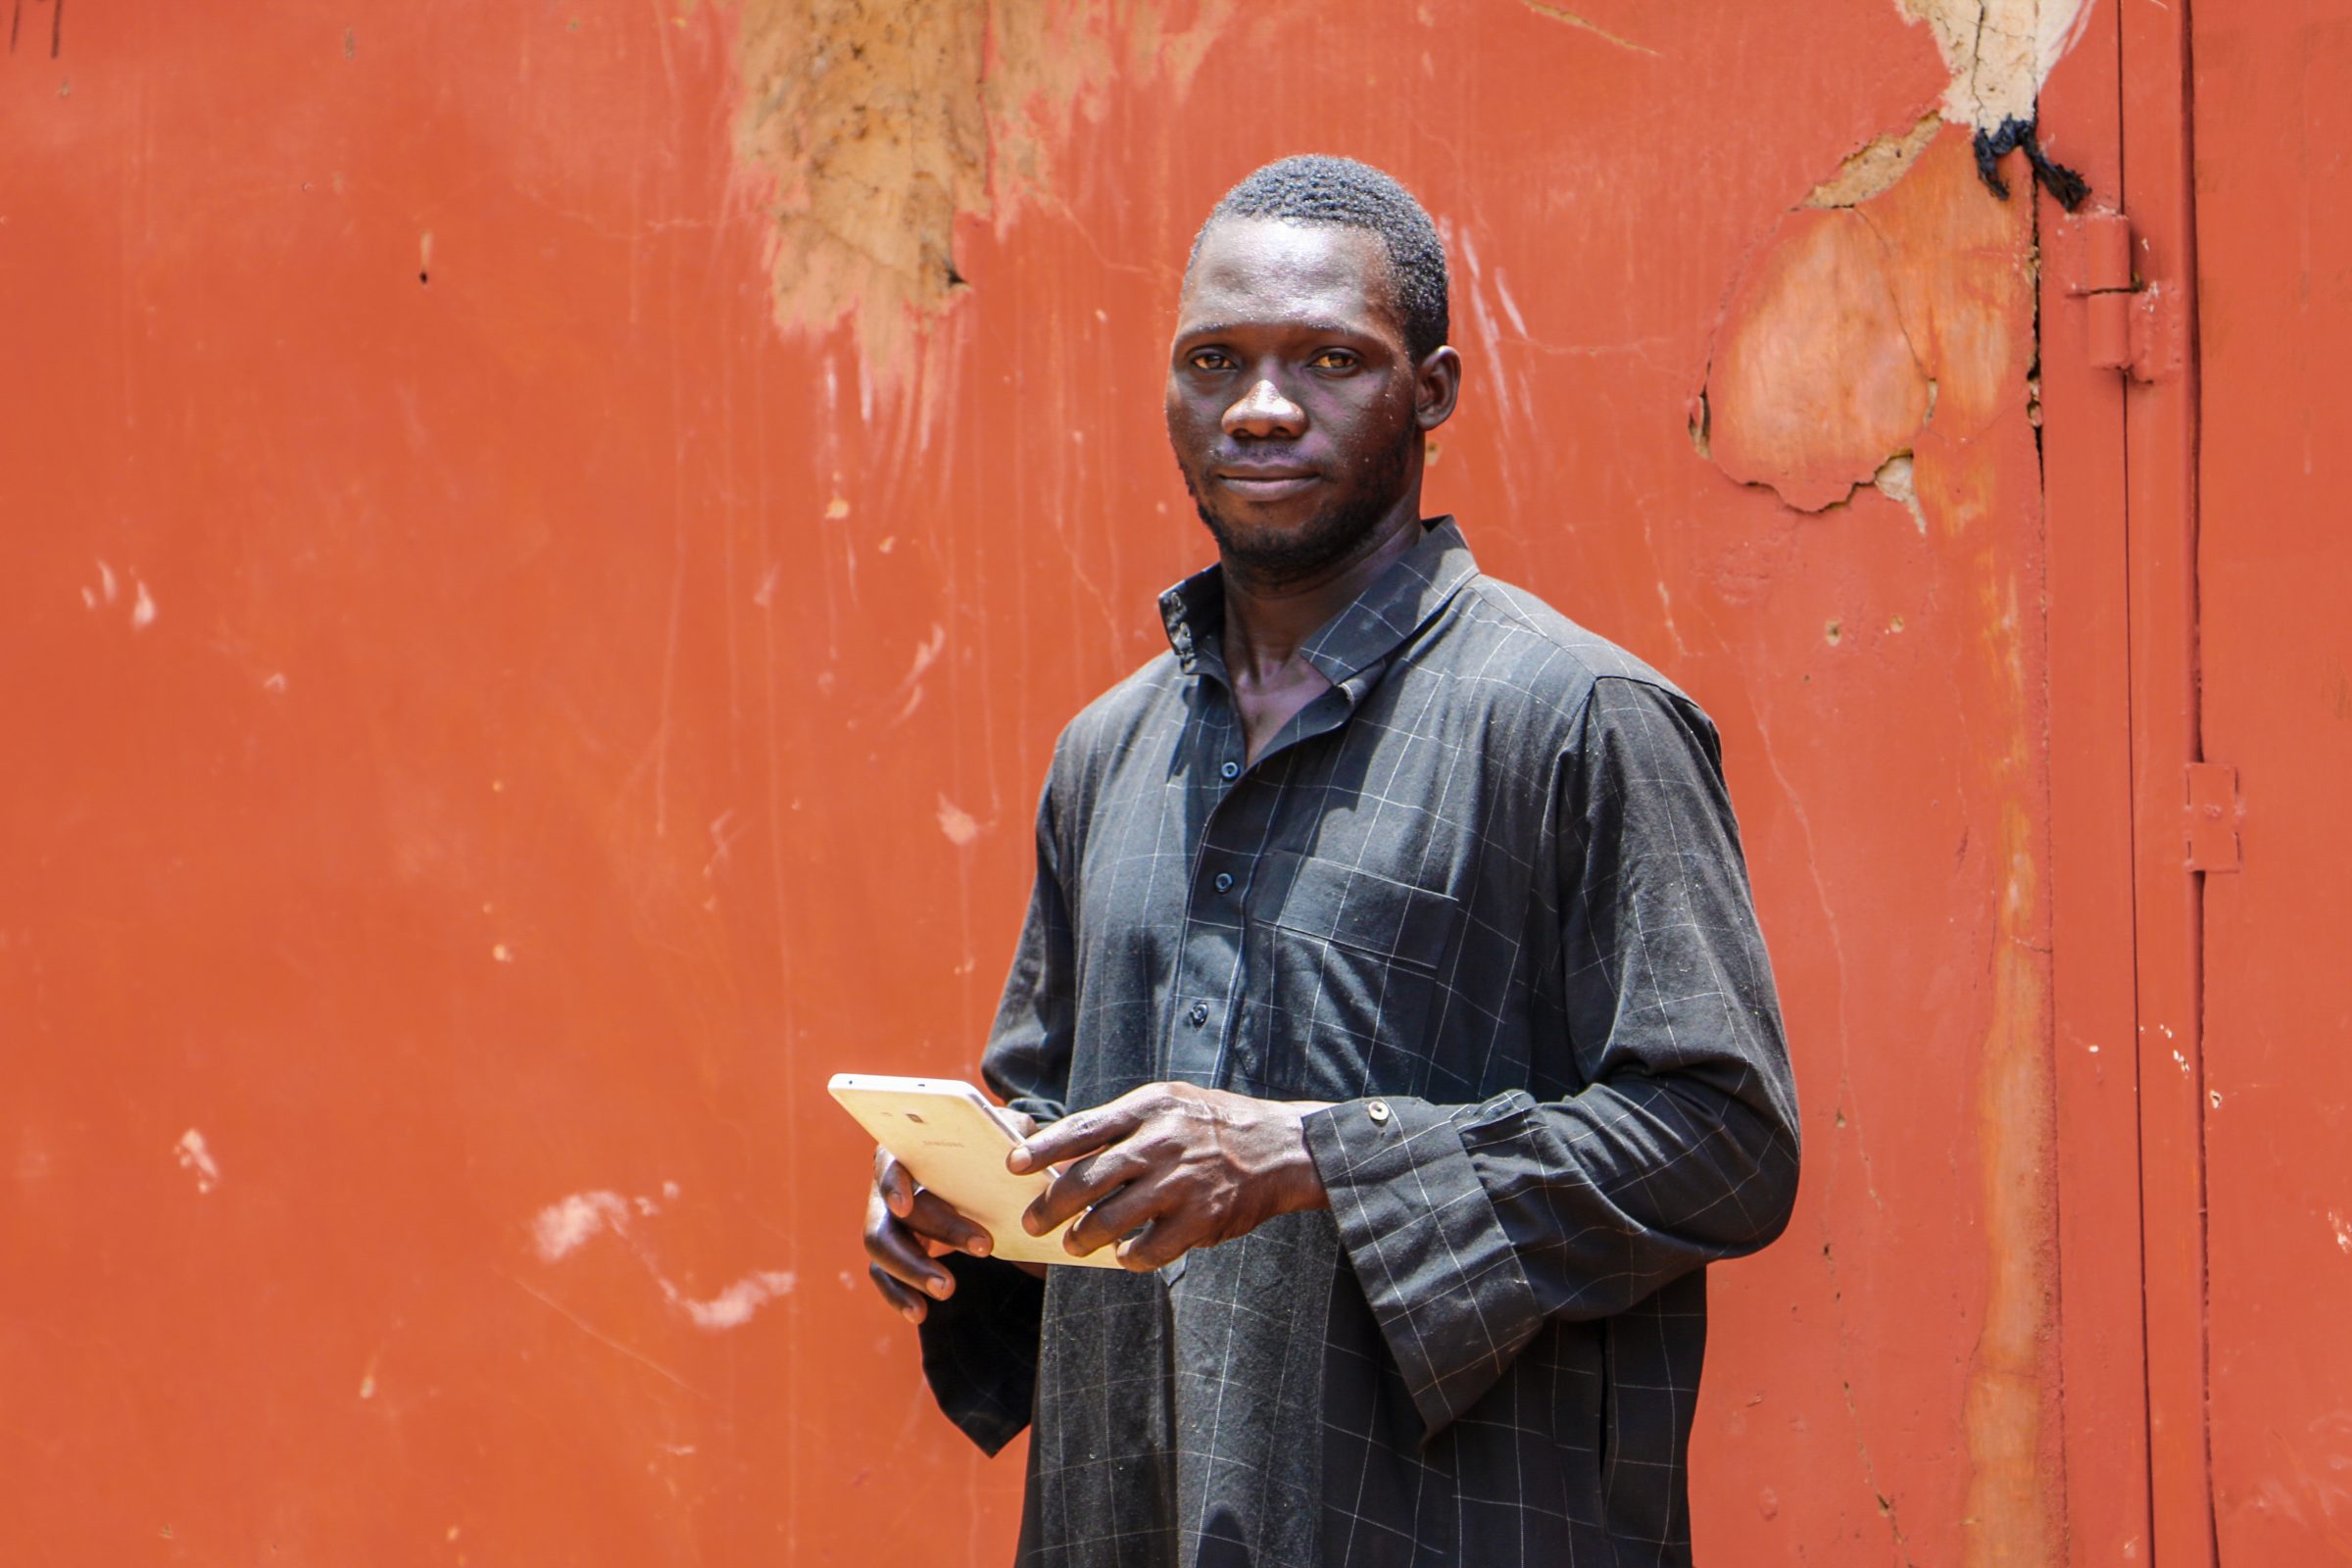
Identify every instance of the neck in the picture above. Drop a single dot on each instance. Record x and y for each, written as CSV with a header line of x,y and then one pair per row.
x,y
1266,620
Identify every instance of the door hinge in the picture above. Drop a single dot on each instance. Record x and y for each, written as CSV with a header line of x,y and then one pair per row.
x,y
2213,813
2130,324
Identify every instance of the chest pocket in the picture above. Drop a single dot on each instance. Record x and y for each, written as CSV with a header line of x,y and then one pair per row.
x,y
1362,910
1352,959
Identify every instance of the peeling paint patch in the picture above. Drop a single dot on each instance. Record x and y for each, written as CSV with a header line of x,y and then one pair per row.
x,y
1813,384
1999,52
1855,331
872,128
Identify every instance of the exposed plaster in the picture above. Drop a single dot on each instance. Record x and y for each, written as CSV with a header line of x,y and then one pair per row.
x,y
1896,481
869,128
1876,164
1999,52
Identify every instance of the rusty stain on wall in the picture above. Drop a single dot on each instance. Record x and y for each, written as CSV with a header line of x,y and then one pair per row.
x,y
1883,335
870,128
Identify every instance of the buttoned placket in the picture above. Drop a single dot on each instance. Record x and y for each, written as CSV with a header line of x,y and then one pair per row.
x,y
1239,829
1242,814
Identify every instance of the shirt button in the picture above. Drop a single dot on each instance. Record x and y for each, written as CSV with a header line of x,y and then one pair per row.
x,y
1378,1110
1224,881
1230,770
1200,1017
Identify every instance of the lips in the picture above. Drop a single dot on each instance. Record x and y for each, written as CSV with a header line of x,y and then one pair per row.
x,y
1267,482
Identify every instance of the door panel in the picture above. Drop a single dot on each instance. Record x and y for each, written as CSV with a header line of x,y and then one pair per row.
x,y
2274,130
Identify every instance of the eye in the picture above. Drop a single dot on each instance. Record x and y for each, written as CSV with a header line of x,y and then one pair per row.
x,y
1334,360
1208,360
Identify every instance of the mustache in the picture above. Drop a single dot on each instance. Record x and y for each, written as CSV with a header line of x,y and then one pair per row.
x,y
1256,457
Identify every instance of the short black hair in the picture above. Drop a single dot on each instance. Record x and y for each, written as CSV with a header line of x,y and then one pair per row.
x,y
1313,188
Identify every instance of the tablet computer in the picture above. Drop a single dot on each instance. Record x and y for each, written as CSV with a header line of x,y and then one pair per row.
x,y
954,1141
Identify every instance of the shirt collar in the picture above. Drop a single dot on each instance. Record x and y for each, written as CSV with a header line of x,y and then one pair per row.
x,y
1397,604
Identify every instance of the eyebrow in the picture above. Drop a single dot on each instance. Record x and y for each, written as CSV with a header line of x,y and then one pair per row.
x,y
1313,328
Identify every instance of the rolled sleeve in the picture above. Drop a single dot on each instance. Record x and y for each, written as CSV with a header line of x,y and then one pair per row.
x,y
1471,1225
1442,1278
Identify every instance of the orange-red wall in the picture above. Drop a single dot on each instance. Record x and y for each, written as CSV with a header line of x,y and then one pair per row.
x,y
535,613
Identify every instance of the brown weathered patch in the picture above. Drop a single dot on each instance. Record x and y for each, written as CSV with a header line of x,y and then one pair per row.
x,y
872,125
868,120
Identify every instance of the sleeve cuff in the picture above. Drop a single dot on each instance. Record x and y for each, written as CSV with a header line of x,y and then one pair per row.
x,y
980,1349
1443,1282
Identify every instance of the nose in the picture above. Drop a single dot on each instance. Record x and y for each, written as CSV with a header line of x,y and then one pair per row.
x,y
1263,412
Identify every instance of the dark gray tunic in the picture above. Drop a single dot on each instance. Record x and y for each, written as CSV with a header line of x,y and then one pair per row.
x,y
1488,894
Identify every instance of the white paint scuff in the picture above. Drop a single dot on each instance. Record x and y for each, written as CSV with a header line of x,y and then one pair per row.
x,y
197,1158
733,1306
563,1227
956,823
569,1223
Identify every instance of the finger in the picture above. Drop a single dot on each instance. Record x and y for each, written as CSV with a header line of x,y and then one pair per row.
x,y
1081,1187
893,1249
933,1219
1083,1132
1129,1208
904,1302
1156,1245
891,1181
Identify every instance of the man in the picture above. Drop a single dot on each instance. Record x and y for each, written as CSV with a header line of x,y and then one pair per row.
x,y
1389,997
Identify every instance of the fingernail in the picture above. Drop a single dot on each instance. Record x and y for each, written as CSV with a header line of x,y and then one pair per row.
x,y
1018,1159
978,1246
940,1289
911,1313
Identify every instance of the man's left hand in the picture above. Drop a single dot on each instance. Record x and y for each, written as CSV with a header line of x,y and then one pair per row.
x,y
1171,1167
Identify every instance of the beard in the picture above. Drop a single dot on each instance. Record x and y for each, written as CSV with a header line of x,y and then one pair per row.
x,y
1331,534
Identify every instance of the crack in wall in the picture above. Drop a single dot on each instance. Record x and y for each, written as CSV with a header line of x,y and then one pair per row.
x,y
1570,19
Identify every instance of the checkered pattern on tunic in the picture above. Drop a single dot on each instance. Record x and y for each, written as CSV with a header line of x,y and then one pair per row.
x,y
1486,893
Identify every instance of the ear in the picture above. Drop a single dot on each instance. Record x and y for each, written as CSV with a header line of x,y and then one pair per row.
x,y
1437,386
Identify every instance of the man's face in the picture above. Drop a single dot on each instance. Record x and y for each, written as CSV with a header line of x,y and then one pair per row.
x,y
1292,400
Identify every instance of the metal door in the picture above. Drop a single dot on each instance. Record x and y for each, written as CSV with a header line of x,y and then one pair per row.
x,y
2268,826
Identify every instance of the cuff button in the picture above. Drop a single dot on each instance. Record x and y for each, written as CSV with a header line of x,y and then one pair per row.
x,y
1378,1110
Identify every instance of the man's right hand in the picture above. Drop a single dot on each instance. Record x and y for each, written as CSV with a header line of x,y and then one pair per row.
x,y
903,1224
901,1220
